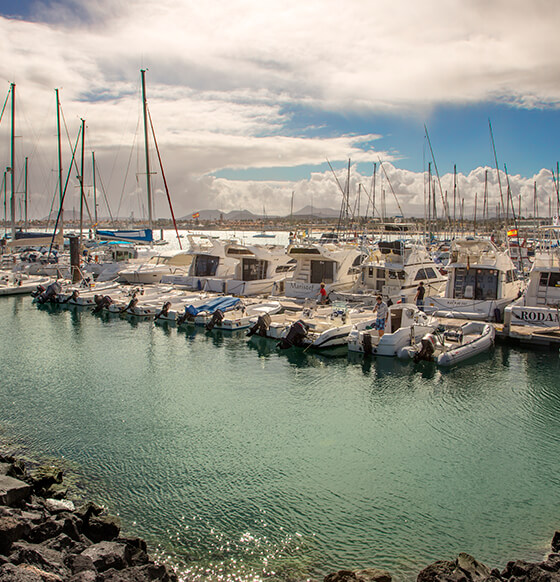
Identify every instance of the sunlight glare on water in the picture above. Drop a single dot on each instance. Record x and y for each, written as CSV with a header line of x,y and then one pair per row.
x,y
239,462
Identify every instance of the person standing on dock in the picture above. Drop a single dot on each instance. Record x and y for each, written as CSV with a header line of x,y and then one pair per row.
x,y
382,311
419,297
323,299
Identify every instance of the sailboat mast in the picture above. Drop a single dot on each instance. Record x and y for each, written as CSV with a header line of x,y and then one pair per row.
x,y
82,182
59,144
94,188
13,163
148,174
25,184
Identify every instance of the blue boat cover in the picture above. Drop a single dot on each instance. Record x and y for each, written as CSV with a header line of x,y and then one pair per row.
x,y
223,303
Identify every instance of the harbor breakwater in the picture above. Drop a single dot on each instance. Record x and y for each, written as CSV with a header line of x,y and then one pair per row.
x,y
45,537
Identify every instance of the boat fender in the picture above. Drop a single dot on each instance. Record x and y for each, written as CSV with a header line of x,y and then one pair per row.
x,y
262,325
164,310
427,349
297,332
217,318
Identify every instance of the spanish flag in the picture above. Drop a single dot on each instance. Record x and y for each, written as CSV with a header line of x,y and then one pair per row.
x,y
512,232
196,215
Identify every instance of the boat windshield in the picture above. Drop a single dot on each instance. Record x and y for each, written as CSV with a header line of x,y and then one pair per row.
x,y
478,284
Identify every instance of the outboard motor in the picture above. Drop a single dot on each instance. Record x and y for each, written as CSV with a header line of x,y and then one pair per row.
x,y
72,297
101,303
217,319
296,333
131,305
164,310
40,289
50,293
185,317
427,350
262,325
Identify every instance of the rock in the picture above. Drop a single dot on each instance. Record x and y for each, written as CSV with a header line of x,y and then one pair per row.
x,y
556,542
48,529
442,571
85,576
148,573
12,490
58,505
367,575
43,477
106,555
5,468
552,563
21,573
39,556
79,563
11,530
476,571
103,528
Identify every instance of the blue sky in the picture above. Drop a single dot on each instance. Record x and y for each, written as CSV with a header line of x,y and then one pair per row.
x,y
250,99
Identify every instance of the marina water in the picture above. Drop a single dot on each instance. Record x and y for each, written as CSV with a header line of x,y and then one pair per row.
x,y
239,462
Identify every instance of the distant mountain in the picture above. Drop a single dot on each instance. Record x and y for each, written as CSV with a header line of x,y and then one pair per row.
x,y
317,212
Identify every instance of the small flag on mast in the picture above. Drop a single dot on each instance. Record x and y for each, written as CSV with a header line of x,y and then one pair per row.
x,y
512,232
196,215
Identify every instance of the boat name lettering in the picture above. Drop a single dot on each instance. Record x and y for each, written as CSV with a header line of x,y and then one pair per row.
x,y
526,315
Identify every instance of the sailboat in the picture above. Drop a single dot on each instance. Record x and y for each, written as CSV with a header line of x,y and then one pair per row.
x,y
142,235
19,238
263,233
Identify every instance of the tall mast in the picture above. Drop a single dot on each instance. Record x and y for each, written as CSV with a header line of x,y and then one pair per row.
x,y
497,172
148,175
94,188
25,184
60,189
13,163
82,181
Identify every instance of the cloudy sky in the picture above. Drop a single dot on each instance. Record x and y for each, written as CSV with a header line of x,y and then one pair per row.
x,y
251,99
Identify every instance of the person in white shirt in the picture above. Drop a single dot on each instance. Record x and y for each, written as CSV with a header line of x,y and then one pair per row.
x,y
382,311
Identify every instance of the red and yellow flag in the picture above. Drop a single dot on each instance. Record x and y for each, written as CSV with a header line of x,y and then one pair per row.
x,y
512,232
196,215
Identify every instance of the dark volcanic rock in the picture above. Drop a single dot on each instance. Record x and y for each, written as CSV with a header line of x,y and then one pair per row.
x,y
556,542
102,528
366,575
12,490
11,530
106,555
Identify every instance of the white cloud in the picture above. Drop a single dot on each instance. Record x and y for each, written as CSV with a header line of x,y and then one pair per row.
x,y
224,77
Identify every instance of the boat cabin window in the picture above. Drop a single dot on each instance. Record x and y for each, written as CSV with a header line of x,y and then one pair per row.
x,y
284,268
430,273
420,274
322,272
510,276
550,280
477,284
371,272
205,265
254,269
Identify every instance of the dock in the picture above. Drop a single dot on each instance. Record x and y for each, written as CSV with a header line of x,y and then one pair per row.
x,y
528,335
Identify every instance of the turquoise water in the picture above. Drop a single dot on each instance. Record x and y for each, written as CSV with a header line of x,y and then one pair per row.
x,y
242,463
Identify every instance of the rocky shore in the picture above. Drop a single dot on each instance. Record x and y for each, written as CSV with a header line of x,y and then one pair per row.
x,y
44,537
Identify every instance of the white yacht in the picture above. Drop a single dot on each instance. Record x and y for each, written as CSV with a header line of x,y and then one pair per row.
x,y
540,303
261,269
156,267
481,282
336,265
394,270
210,266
